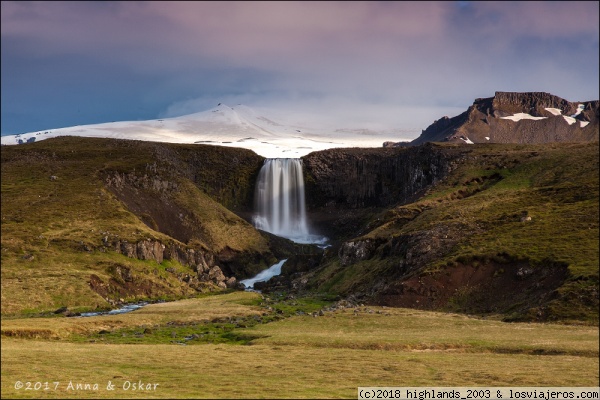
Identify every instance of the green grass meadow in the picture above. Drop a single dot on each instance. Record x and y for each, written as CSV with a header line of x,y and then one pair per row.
x,y
286,351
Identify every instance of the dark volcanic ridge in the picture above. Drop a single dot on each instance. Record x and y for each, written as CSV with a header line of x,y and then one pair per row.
x,y
512,117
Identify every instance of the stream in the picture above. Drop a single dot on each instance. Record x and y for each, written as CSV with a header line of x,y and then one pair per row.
x,y
264,275
124,309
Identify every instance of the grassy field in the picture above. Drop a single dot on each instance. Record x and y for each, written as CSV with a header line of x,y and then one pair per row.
x,y
289,353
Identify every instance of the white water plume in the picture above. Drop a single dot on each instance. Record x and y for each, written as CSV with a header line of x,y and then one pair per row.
x,y
280,208
279,200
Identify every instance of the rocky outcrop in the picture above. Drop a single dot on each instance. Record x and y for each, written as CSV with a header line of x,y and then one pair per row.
x,y
549,118
412,251
357,250
201,262
145,181
533,103
142,250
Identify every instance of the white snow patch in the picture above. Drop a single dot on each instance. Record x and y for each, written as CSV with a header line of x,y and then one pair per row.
x,y
519,116
467,140
487,138
583,123
580,108
570,120
554,111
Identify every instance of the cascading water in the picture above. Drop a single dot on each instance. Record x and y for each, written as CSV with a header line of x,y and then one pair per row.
x,y
279,200
280,208
264,275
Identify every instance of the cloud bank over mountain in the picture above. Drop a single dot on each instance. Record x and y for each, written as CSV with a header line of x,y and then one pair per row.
x,y
370,64
268,134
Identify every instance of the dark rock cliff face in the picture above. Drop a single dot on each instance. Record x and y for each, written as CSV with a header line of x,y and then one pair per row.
x,y
486,121
344,185
226,174
355,178
534,103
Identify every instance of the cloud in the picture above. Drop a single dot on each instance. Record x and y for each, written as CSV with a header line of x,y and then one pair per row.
x,y
549,19
295,35
331,112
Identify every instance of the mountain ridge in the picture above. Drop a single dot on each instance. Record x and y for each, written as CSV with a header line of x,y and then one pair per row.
x,y
516,117
506,117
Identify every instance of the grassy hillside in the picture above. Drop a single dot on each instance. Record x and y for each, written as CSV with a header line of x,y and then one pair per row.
x,y
505,210
65,200
511,230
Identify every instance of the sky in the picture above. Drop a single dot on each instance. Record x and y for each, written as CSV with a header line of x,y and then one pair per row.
x,y
380,65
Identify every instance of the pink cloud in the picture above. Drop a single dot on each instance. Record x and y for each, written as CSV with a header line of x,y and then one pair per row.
x,y
298,36
251,33
400,52
545,19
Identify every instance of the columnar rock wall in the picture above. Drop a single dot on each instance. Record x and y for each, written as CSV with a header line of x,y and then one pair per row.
x,y
357,178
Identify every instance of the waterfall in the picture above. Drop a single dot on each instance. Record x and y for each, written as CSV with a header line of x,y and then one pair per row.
x,y
280,208
279,200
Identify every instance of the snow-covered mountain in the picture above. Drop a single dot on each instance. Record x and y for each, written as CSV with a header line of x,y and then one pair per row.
x,y
238,126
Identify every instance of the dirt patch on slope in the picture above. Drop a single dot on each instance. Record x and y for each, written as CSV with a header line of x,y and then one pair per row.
x,y
158,212
487,288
